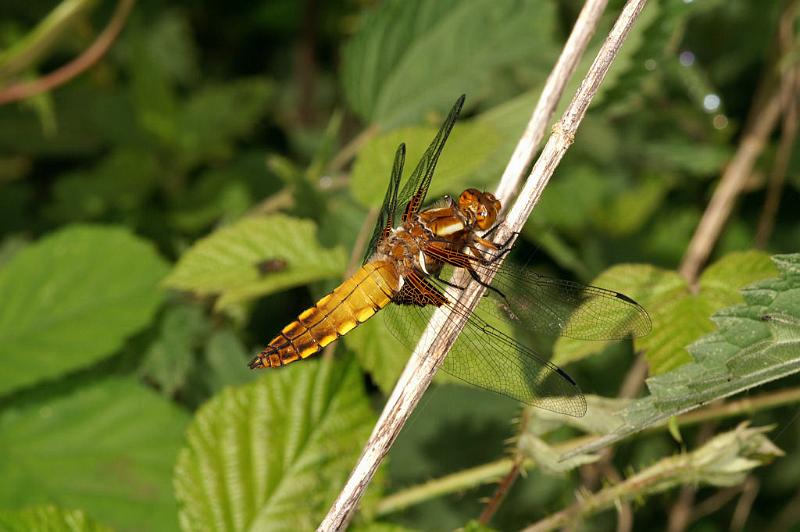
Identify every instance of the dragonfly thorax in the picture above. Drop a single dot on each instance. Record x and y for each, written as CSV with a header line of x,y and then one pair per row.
x,y
404,247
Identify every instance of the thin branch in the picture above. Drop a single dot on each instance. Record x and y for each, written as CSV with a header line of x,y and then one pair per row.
x,y
27,51
682,510
733,181
89,57
745,505
351,149
505,484
582,32
576,44
430,352
786,42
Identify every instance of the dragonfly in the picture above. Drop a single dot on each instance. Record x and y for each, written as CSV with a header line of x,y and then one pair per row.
x,y
409,271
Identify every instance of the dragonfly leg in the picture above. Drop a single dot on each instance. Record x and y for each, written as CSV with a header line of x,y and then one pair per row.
x,y
448,283
486,285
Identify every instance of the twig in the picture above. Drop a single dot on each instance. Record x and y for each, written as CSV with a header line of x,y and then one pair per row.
x,y
582,31
745,505
786,43
682,510
433,347
714,503
27,51
349,151
89,57
733,181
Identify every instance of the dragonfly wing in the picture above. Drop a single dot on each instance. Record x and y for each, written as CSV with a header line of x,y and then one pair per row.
x,y
386,216
485,356
564,308
416,188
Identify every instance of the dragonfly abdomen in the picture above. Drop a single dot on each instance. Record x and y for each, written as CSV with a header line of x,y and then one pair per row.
x,y
350,304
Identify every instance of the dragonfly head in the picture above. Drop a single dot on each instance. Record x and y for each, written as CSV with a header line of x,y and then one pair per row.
x,y
482,207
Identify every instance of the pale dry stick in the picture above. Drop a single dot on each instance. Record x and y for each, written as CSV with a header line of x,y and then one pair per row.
x,y
433,347
578,40
787,41
89,57
582,32
733,180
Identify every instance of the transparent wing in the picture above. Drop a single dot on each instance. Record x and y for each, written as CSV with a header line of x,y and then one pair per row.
x,y
416,187
386,216
486,356
567,308
415,190
557,307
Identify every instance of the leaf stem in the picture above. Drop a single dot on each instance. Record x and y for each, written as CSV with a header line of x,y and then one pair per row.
x,y
89,57
433,347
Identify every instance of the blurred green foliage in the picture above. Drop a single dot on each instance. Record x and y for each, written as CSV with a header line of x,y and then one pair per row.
x,y
169,210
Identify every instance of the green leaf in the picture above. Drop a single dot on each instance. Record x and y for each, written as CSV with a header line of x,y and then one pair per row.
x,y
119,181
583,189
108,448
227,361
218,194
412,56
72,299
378,352
467,149
756,343
273,454
627,212
226,262
170,358
50,519
217,115
679,315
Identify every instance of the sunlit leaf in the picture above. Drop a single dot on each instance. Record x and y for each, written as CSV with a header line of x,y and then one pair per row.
x,y
107,448
679,315
755,343
413,56
72,299
226,263
273,454
48,518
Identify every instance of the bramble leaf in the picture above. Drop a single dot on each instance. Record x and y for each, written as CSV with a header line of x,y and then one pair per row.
x,y
273,453
412,56
755,343
679,316
226,263
107,448
50,518
72,299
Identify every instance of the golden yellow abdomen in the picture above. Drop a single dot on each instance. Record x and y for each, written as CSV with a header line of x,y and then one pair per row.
x,y
350,304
